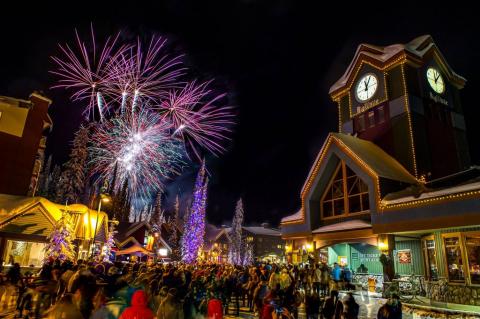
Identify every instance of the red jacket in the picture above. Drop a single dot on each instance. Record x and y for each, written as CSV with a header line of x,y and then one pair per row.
x,y
139,308
214,309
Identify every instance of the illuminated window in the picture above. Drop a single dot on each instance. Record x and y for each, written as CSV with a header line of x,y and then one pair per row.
x,y
24,253
453,255
249,239
472,246
346,194
279,246
429,254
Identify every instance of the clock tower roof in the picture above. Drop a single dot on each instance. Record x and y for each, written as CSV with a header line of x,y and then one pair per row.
x,y
415,52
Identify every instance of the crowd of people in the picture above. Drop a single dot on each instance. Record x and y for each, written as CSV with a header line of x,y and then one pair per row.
x,y
91,290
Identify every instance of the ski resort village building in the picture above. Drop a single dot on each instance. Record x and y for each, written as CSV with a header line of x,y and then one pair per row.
x,y
395,183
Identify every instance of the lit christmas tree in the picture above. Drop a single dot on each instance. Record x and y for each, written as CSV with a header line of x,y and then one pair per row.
x,y
247,255
194,230
72,180
107,251
236,234
60,241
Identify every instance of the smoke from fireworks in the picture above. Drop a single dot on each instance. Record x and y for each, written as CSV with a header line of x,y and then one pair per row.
x,y
140,146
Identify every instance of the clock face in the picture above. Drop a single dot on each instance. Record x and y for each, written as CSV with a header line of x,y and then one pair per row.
x,y
435,80
366,87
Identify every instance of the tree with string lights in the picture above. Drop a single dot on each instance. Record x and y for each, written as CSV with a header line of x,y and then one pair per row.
x,y
194,230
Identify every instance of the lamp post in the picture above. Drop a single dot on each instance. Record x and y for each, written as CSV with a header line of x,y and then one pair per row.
x,y
103,198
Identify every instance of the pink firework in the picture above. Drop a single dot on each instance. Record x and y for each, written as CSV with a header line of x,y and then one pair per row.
x,y
85,71
197,118
138,76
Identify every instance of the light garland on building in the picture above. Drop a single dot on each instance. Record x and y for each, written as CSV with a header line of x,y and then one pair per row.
x,y
409,118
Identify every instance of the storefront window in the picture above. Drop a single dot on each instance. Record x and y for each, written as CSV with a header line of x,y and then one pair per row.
x,y
453,255
472,245
24,253
430,258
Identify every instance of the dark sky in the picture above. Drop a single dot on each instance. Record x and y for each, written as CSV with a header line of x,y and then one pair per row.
x,y
276,60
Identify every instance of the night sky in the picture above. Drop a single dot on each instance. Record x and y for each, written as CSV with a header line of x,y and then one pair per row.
x,y
276,60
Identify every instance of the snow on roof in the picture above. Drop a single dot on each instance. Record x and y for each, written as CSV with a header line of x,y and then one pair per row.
x,y
347,225
259,230
435,193
373,156
296,216
417,47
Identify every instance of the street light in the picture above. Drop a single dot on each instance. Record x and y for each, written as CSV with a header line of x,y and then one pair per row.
x,y
103,198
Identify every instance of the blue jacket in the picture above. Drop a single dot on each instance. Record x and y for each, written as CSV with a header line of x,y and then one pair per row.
x,y
337,273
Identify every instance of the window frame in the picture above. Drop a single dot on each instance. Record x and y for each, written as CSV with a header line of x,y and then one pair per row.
x,y
465,255
462,252
426,258
342,166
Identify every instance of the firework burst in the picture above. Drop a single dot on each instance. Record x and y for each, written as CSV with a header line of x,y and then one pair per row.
x,y
141,149
198,123
85,70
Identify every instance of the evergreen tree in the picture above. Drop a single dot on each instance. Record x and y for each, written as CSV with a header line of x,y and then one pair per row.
x,y
194,231
236,234
247,254
60,244
42,183
176,214
53,181
121,205
156,218
72,181
174,239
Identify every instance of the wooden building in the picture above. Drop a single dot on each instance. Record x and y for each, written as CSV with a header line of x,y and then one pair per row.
x,y
396,178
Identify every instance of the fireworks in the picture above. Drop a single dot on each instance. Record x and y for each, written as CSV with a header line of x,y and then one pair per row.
x,y
140,146
86,74
197,122
151,116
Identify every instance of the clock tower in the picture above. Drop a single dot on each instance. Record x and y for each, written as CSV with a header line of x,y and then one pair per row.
x,y
405,99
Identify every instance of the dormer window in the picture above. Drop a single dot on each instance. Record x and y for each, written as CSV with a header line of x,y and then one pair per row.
x,y
346,194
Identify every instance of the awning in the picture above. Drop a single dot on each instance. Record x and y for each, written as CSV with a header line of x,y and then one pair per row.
x,y
134,250
347,225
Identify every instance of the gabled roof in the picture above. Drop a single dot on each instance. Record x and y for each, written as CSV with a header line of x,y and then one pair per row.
x,y
373,158
126,229
382,164
416,49
259,230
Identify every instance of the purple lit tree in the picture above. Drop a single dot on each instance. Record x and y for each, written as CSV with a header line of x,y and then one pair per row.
x,y
194,230
60,244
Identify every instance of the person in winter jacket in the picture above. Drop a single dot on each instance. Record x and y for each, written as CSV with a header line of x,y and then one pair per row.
x,y
274,279
351,307
325,280
392,309
312,305
333,307
214,309
285,279
139,307
170,308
